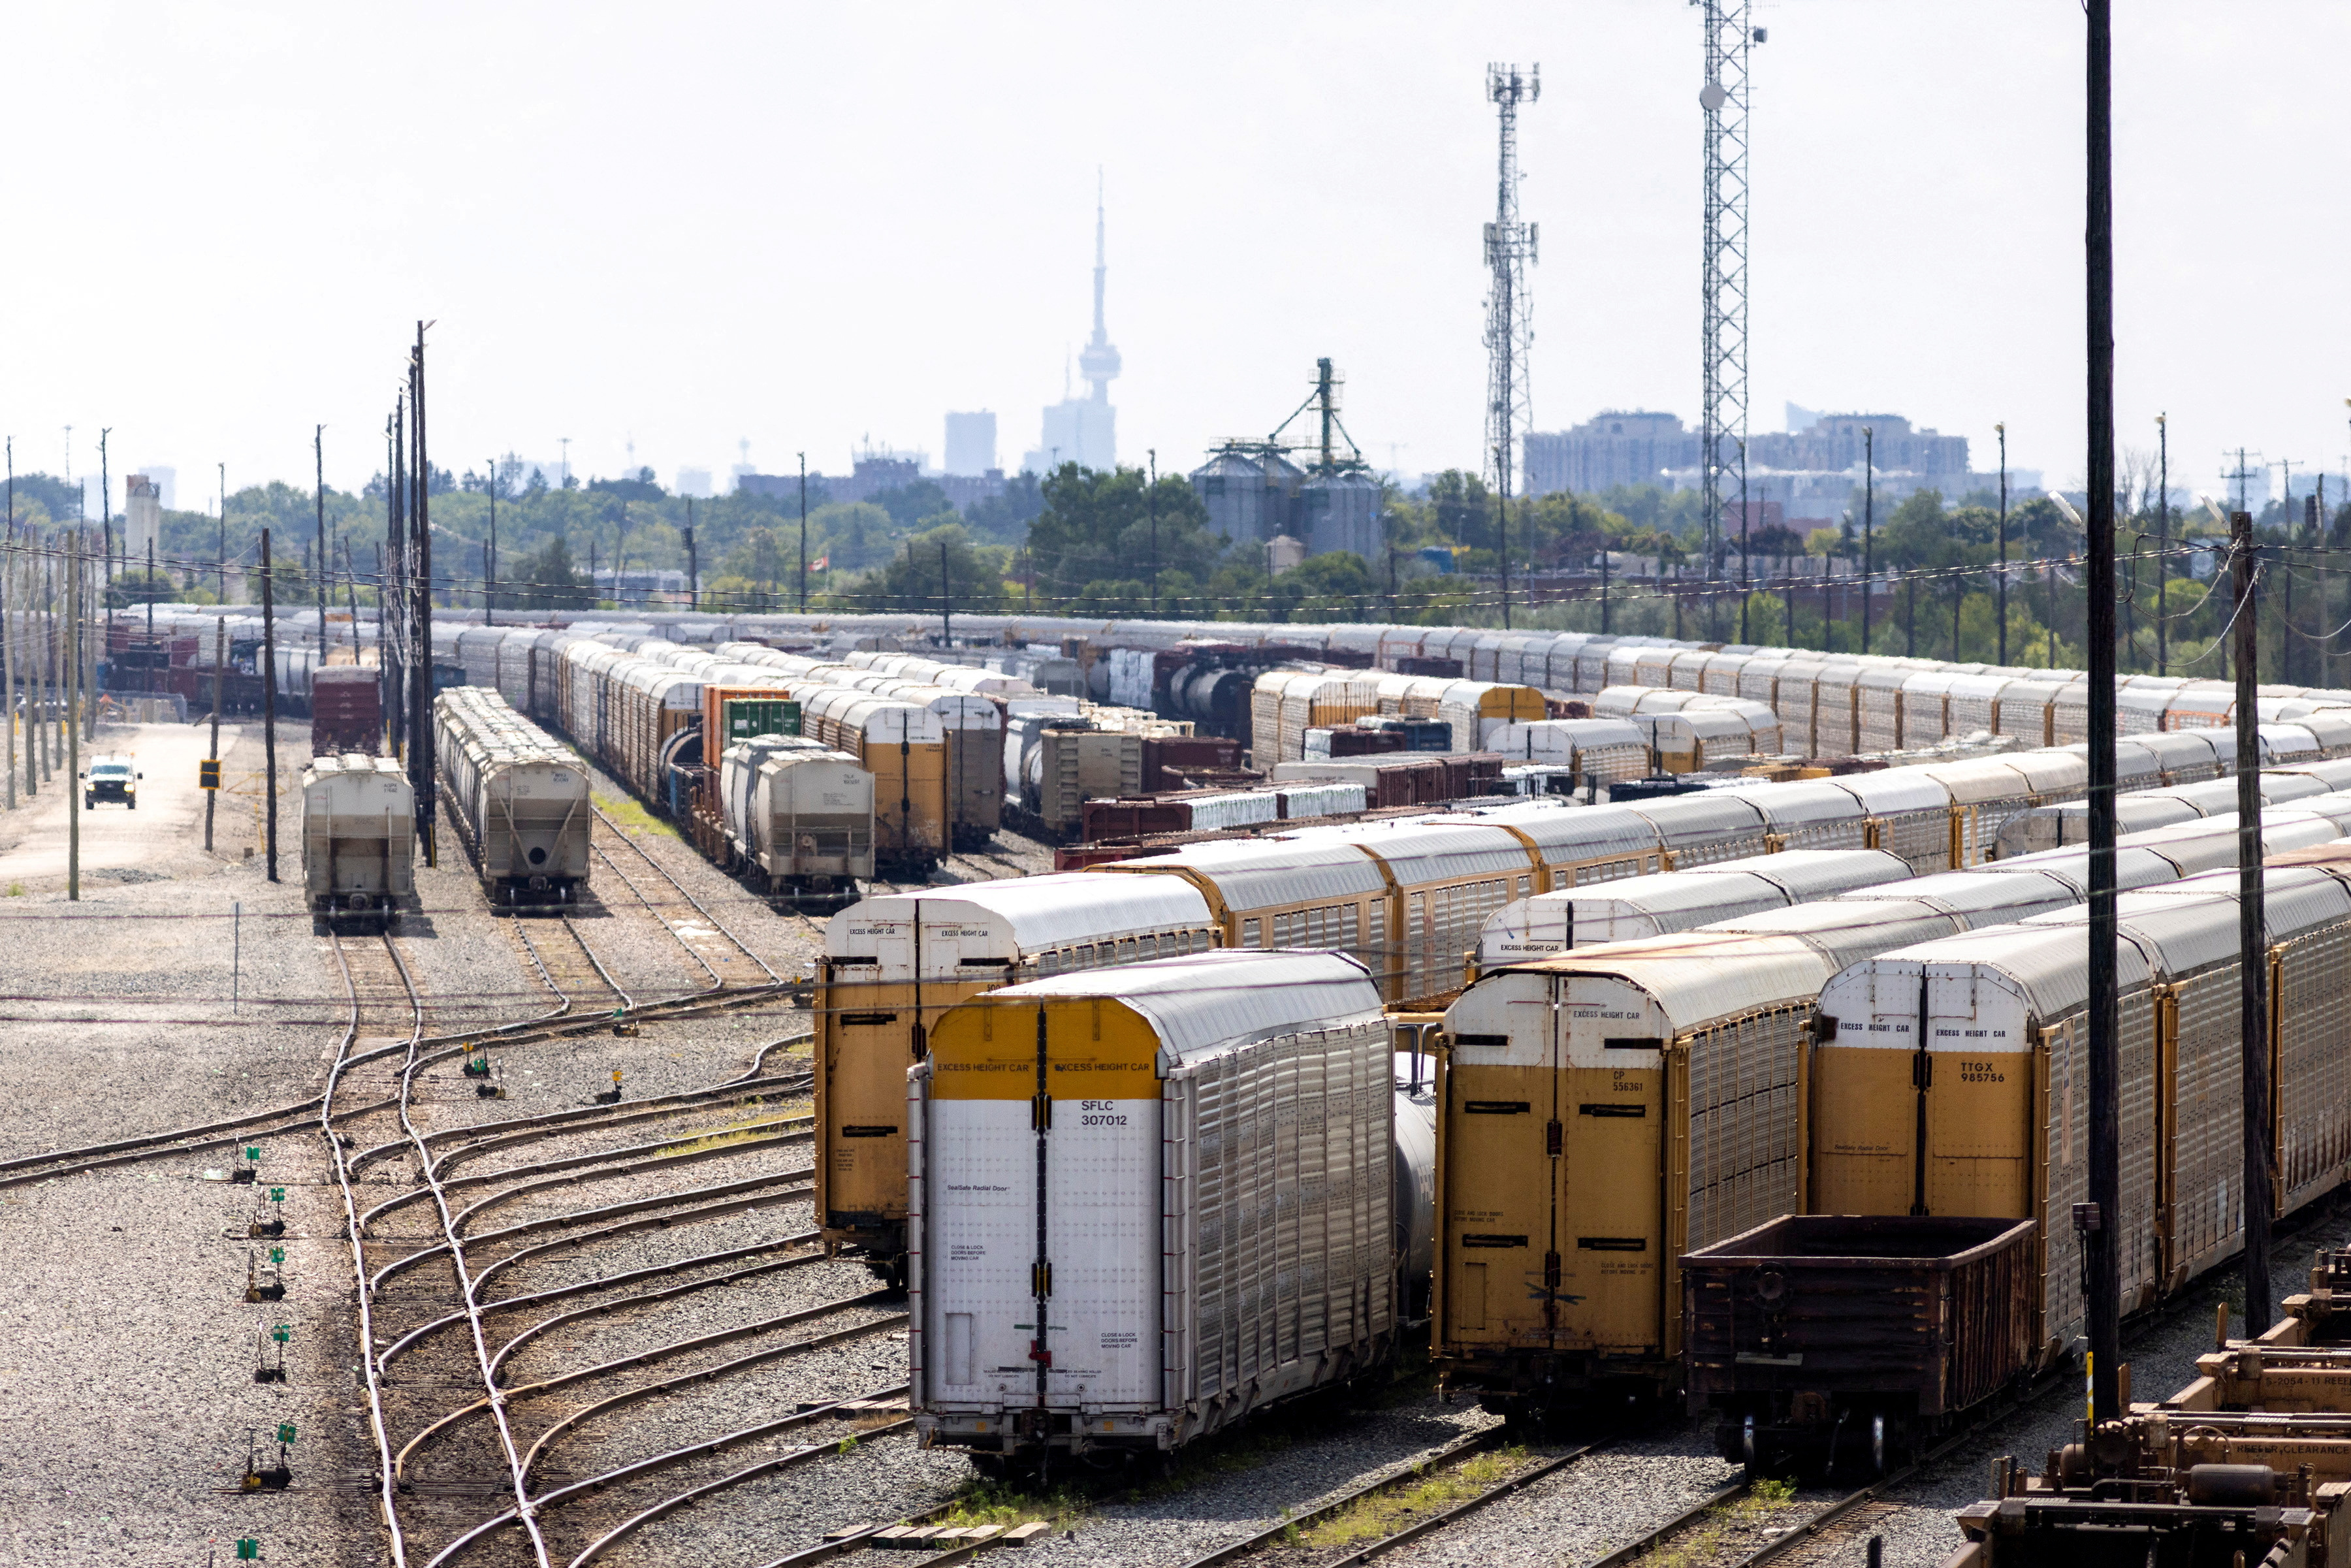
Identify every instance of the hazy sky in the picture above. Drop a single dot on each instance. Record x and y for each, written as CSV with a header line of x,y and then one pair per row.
x,y
808,225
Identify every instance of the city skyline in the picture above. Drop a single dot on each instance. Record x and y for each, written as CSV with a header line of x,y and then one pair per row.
x,y
1932,268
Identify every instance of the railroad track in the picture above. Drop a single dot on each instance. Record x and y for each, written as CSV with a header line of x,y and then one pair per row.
x,y
476,1451
731,970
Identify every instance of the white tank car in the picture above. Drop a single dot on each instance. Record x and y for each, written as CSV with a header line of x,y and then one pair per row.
x,y
801,813
359,834
1147,1200
520,798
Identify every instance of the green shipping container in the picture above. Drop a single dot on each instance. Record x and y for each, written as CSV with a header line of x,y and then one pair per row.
x,y
747,716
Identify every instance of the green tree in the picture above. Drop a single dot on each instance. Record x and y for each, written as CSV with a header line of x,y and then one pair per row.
x,y
1099,527
547,581
974,575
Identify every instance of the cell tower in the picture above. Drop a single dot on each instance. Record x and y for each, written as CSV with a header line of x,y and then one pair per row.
x,y
1722,412
1510,316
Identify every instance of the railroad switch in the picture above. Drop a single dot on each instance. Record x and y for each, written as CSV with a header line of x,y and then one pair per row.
x,y
263,1369
266,1284
278,1476
249,1170
612,1096
273,1227
623,1024
486,1086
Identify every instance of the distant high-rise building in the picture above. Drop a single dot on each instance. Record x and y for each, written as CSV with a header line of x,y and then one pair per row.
x,y
971,443
694,482
1085,430
142,518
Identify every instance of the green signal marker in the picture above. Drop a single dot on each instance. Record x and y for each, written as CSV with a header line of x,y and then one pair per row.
x,y
282,1332
248,1550
253,1151
278,1194
277,1254
286,1431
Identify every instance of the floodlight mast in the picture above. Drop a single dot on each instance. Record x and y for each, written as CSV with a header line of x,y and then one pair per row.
x,y
1722,400
1509,319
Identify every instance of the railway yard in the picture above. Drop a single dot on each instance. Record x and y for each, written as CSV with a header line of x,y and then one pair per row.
x,y
345,1231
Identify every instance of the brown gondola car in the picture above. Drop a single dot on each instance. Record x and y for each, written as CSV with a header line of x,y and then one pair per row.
x,y
1835,1341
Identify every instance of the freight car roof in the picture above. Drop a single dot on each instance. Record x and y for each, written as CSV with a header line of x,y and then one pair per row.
x,y
1206,1002
1695,977
1035,912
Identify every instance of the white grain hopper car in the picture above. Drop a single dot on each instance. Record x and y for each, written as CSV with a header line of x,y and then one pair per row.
x,y
800,814
520,798
359,834
1148,1200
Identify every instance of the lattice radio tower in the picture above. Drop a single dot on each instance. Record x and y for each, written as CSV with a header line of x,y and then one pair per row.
x,y
1510,318
1722,411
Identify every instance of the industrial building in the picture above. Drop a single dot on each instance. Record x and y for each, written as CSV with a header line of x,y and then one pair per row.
x,y
1254,491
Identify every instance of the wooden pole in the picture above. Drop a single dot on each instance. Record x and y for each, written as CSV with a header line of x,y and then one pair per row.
x,y
270,703
73,726
319,455
420,742
2102,1236
2252,947
219,675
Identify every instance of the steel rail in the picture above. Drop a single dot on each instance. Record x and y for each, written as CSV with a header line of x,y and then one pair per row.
x,y
465,1283
667,875
401,1345
789,1133
801,1181
677,1456
1459,1447
685,1380
607,1172
622,1303
717,980
663,1352
653,1222
366,1298
1439,1520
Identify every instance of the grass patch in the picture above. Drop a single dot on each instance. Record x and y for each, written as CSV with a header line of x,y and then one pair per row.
x,y
628,814
1765,1496
741,1130
1383,1513
1002,1503
16,890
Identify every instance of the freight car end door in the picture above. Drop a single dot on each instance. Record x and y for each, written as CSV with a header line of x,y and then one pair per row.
x,y
1564,1076
1049,1300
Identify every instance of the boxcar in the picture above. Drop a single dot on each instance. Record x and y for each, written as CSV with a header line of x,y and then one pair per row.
x,y
1148,1201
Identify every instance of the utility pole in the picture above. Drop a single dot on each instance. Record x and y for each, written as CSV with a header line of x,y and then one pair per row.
x,y
1722,412
803,533
223,558
219,675
946,601
2253,945
1151,499
1510,249
2162,543
2102,1238
269,702
1746,574
73,716
2000,578
490,553
420,670
318,457
1868,519
692,562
